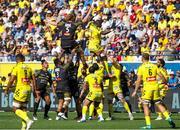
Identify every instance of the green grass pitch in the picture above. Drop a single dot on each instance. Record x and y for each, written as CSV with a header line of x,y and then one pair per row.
x,y
9,120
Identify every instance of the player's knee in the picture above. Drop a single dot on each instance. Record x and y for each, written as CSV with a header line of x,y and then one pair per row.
x,y
66,102
121,97
145,102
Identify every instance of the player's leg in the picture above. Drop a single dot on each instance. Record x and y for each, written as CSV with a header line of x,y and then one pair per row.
x,y
91,110
163,109
47,106
110,105
60,110
78,104
125,104
146,98
67,100
86,104
36,104
99,109
19,103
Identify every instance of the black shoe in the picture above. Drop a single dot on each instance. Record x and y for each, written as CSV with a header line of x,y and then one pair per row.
x,y
47,118
171,123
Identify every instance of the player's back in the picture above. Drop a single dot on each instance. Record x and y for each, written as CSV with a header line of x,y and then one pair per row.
x,y
94,81
23,74
165,74
116,71
149,73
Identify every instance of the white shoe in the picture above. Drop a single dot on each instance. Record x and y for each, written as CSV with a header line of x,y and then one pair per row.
x,y
101,119
57,117
61,115
29,124
35,118
90,118
158,118
81,121
131,117
108,118
23,128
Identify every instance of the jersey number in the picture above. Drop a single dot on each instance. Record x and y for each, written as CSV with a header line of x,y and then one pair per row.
x,y
150,72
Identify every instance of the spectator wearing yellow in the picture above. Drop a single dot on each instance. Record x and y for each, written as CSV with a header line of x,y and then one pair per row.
x,y
145,48
170,7
162,24
23,3
122,6
172,23
36,18
25,50
161,48
163,39
73,3
148,17
2,27
16,10
175,14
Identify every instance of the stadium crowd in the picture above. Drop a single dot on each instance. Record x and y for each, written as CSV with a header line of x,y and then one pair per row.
x,y
137,26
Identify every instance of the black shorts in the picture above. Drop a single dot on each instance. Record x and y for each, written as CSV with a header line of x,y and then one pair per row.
x,y
44,93
68,45
63,95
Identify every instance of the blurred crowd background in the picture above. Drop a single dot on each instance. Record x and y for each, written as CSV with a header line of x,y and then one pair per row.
x,y
137,26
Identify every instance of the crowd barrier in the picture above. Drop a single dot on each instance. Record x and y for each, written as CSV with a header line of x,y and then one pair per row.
x,y
172,102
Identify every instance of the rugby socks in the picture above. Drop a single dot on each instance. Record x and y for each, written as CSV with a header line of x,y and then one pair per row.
x,y
36,105
166,115
22,115
126,106
91,109
148,120
110,109
160,114
23,124
84,111
47,107
99,112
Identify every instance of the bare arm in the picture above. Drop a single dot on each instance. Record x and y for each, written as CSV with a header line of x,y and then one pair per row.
x,y
138,83
87,16
164,80
11,81
85,87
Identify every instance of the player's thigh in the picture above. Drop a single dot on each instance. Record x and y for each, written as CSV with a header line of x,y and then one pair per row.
x,y
67,95
156,95
22,94
147,95
60,95
18,104
117,89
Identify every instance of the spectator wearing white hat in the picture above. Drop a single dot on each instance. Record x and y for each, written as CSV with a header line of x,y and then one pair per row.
x,y
173,81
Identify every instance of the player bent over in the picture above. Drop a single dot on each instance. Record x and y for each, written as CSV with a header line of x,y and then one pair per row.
x,y
148,73
43,77
24,77
94,83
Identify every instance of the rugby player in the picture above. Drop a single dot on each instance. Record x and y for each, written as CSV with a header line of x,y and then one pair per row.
x,y
24,77
43,77
148,73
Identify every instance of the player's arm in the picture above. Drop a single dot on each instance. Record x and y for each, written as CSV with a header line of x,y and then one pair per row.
x,y
85,87
87,16
34,85
164,79
138,85
11,81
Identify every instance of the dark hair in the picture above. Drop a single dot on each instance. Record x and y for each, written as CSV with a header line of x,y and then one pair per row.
x,y
96,66
91,69
145,56
162,62
56,61
42,61
20,57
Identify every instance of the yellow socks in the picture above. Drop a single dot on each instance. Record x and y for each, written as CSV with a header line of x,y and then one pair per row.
x,y
166,115
84,111
160,114
22,115
148,120
91,109
126,106
23,124
101,106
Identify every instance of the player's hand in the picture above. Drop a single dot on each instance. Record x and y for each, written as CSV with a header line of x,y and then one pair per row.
x,y
134,94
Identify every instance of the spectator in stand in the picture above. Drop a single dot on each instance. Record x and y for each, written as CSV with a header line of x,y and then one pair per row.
x,y
173,81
